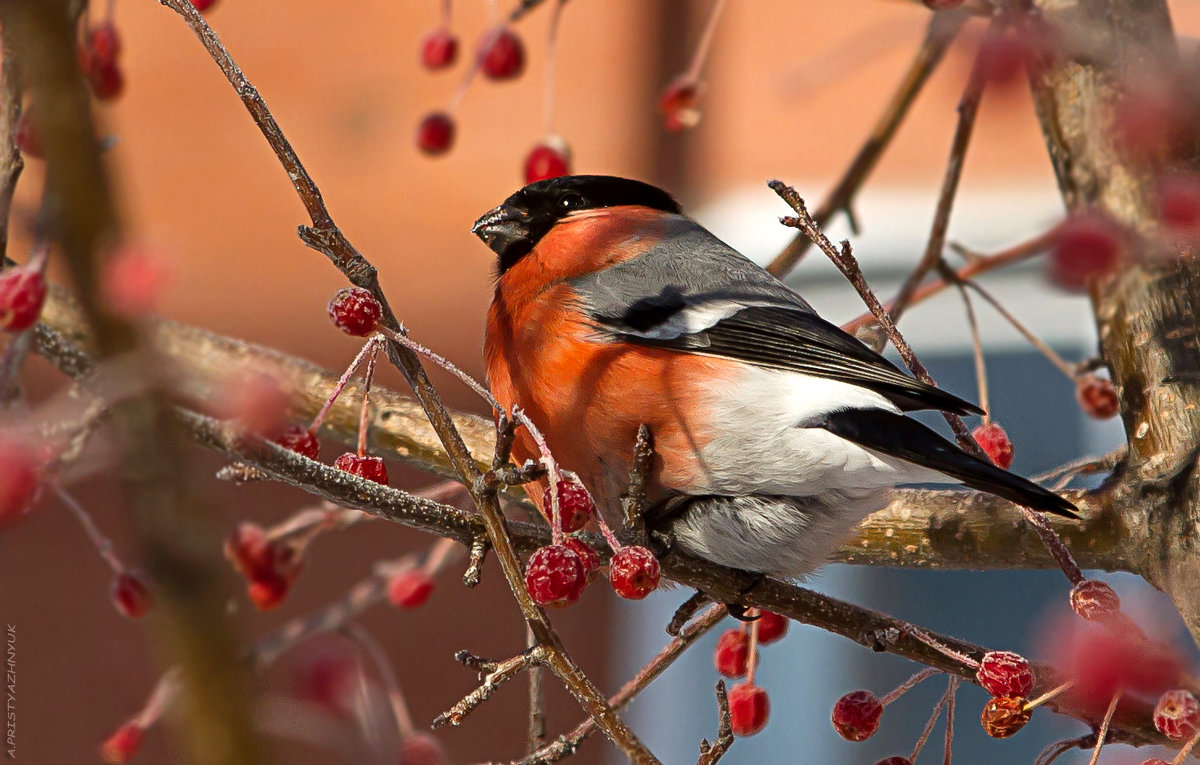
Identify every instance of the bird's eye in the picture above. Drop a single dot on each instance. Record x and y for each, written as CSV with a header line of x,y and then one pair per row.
x,y
570,202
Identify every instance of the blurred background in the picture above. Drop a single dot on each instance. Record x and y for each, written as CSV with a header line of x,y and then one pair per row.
x,y
793,88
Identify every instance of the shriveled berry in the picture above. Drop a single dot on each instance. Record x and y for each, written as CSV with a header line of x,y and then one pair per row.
x,y
355,311
732,653
1177,715
130,596
267,593
634,572
1155,761
589,557
422,749
1086,246
1095,601
22,293
435,134
942,5
1097,396
19,485
410,589
439,49
856,715
203,5
249,551
1004,716
300,440
123,745
548,159
106,80
1179,204
28,139
771,627
554,576
995,443
678,104
748,709
895,759
575,505
503,55
103,44
370,468
1004,673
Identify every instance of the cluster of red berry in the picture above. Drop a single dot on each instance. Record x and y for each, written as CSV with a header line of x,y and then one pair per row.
x,y
736,656
557,574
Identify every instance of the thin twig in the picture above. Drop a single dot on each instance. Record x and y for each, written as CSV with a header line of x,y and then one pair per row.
x,y
946,757
943,28
968,108
1103,732
498,674
1058,361
712,753
633,500
951,687
977,348
536,732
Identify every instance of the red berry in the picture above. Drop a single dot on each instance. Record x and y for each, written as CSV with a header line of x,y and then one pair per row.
x,y
410,589
300,440
589,557
1155,761
22,293
250,552
1097,396
1179,204
1004,57
1101,660
132,280
1004,716
1004,673
678,104
422,749
107,81
503,55
771,627
435,134
1095,601
634,572
549,159
895,759
326,675
439,49
1177,715
575,505
555,576
748,709
856,715
123,745
942,5
267,593
103,44
995,443
732,653
19,487
355,311
1086,246
203,5
370,468
130,596
27,137
256,401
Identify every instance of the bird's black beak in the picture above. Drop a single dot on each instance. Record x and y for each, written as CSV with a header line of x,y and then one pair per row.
x,y
503,229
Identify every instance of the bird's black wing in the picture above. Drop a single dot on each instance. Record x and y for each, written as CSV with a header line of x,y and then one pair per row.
x,y
782,337
899,436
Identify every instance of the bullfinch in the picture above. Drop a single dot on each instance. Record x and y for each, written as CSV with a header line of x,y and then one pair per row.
x,y
775,431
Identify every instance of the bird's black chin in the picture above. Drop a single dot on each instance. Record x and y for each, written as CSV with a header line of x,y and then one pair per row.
x,y
507,233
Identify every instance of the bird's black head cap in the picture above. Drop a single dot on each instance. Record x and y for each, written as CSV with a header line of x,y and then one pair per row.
x,y
513,228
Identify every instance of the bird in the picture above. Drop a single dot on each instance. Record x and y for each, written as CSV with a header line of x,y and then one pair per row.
x,y
775,432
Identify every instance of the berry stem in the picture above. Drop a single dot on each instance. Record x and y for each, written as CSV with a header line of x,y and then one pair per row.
x,y
908,685
953,693
103,544
556,532
977,347
951,687
551,67
365,417
341,385
446,13
403,339
1058,361
438,556
1187,749
1103,732
1054,544
752,658
705,44
383,666
1033,704
166,690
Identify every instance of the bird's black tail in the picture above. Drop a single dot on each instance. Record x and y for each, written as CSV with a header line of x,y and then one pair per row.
x,y
899,436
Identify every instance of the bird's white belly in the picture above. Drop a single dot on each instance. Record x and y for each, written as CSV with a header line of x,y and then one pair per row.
x,y
761,447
